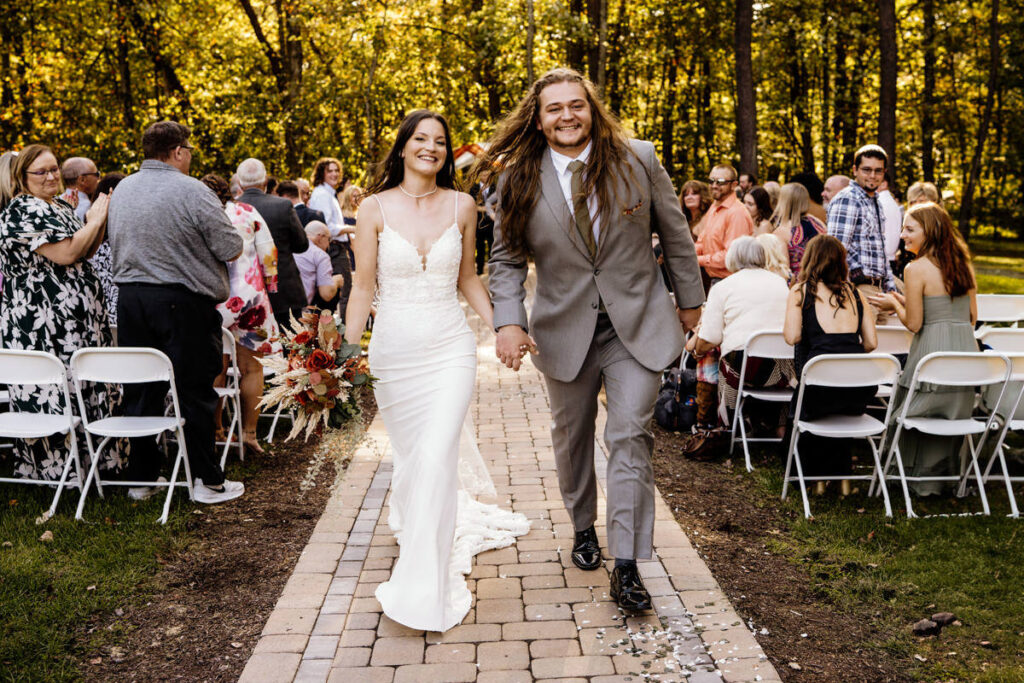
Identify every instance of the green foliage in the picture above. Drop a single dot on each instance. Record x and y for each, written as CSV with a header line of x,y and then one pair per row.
x,y
297,80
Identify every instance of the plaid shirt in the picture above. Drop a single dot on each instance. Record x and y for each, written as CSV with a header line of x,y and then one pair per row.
x,y
855,219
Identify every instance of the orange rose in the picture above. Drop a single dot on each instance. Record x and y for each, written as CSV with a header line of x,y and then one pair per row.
x,y
319,360
303,337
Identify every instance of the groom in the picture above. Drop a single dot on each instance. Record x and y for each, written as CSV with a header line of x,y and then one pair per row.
x,y
582,199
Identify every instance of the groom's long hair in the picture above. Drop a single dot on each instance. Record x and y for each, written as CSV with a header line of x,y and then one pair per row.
x,y
518,147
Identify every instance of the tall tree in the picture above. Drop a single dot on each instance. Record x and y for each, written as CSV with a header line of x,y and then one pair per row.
x,y
994,68
928,93
887,79
531,30
746,107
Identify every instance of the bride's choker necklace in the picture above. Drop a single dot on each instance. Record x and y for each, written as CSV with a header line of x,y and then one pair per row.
x,y
416,196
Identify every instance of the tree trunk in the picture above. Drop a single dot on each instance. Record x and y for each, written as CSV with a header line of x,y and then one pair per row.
x,y
887,76
602,48
149,37
613,93
289,29
668,114
746,109
531,30
994,67
575,48
928,93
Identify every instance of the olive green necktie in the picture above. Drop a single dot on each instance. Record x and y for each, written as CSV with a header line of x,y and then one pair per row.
x,y
581,212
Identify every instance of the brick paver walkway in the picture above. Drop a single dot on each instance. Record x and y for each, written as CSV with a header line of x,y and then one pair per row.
x,y
535,616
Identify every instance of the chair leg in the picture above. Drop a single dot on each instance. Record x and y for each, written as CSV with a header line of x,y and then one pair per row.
x,y
85,487
188,468
878,478
72,457
800,480
230,434
238,424
898,457
737,417
789,463
171,487
273,425
977,474
746,447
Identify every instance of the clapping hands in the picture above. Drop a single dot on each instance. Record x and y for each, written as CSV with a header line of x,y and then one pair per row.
x,y
512,344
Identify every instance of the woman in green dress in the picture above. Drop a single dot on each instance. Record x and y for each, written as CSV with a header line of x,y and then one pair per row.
x,y
940,307
52,297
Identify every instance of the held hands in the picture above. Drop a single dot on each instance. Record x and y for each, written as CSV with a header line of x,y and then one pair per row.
x,y
512,344
98,211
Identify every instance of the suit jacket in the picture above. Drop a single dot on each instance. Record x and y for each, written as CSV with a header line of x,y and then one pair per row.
x,y
623,275
306,215
290,238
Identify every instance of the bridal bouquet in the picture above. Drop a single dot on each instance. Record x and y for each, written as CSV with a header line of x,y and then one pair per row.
x,y
318,376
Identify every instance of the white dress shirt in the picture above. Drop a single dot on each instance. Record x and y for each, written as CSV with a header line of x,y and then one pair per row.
x,y
564,175
83,202
323,199
893,226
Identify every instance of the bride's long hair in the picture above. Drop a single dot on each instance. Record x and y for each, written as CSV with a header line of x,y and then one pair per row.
x,y
391,171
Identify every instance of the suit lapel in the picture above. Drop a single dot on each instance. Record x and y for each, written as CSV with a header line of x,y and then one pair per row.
x,y
551,191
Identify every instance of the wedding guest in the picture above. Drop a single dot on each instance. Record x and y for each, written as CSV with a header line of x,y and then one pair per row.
x,y
80,179
102,261
825,314
305,191
171,240
812,183
234,186
326,179
794,224
921,192
773,189
726,221
695,200
286,230
939,306
6,179
892,224
747,182
272,184
776,255
320,284
290,191
750,300
832,187
759,204
52,298
349,201
247,312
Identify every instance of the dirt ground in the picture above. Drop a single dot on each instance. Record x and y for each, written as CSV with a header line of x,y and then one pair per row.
x,y
215,596
715,506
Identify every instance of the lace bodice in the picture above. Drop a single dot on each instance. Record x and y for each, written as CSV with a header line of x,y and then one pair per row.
x,y
406,276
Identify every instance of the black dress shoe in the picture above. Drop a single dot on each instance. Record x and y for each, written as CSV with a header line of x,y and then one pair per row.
x,y
586,553
628,590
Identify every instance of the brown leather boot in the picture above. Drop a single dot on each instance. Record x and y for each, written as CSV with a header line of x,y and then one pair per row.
x,y
707,404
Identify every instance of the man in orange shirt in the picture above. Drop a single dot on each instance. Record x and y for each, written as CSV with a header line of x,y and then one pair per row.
x,y
727,219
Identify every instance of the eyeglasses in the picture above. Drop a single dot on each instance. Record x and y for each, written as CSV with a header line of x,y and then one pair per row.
x,y
55,172
871,171
188,147
720,181
95,173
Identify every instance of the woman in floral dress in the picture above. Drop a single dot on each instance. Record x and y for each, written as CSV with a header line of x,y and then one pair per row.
x,y
247,312
52,299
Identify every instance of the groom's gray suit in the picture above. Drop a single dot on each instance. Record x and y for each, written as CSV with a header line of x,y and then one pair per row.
x,y
627,344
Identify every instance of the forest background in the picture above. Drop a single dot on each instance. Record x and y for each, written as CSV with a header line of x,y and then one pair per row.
x,y
776,87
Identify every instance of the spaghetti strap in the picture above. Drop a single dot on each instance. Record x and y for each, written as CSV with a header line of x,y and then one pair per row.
x,y
382,215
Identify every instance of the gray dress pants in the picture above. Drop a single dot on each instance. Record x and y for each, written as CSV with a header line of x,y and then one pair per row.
x,y
631,390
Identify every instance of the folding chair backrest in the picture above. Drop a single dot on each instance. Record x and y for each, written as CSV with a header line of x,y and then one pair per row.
x,y
228,339
894,340
30,367
768,344
122,365
851,370
962,369
1006,308
1005,339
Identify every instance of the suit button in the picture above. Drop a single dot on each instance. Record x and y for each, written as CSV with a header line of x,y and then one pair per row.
x,y
593,305
597,271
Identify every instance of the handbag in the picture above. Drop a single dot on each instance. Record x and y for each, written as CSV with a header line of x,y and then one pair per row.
x,y
675,410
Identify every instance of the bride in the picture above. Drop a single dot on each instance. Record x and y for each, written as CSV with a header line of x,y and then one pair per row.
x,y
414,246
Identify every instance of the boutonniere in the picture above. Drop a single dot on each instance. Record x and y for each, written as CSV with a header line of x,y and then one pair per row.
x,y
630,211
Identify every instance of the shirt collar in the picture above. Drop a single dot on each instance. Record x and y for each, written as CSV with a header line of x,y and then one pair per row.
x,y
726,203
562,161
157,165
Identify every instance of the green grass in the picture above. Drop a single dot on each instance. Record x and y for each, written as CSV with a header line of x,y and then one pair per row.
x,y
49,591
901,570
999,284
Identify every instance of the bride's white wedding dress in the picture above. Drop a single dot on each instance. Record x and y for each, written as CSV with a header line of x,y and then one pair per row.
x,y
423,354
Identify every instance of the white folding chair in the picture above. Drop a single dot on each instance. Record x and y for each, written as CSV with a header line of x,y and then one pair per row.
x,y
763,344
40,369
126,365
1000,308
1010,343
841,370
894,341
951,369
231,393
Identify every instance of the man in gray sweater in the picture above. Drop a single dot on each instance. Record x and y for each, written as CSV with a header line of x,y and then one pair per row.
x,y
170,240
